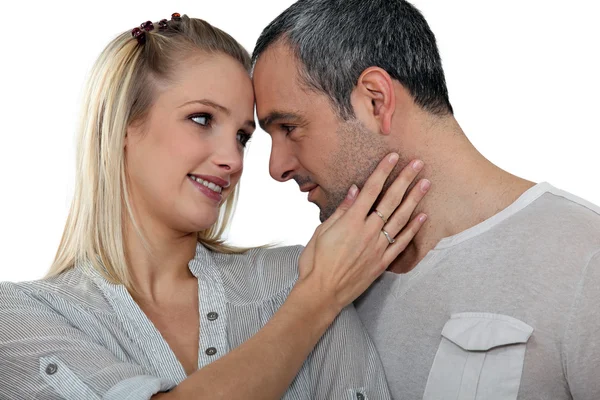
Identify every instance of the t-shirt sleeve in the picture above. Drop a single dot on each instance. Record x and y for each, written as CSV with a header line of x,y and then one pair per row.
x,y
43,356
345,364
581,342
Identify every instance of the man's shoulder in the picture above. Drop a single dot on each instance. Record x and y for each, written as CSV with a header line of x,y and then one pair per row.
x,y
567,203
561,217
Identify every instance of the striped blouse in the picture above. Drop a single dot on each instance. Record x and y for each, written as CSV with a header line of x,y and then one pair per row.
x,y
77,336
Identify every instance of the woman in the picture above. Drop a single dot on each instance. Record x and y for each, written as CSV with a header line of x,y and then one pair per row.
x,y
125,314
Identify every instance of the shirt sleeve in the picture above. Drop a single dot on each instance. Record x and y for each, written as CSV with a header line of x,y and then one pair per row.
x,y
345,364
43,356
581,343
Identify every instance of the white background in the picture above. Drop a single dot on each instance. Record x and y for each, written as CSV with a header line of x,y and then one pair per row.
x,y
523,77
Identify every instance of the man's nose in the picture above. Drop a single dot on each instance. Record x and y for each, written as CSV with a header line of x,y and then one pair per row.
x,y
282,162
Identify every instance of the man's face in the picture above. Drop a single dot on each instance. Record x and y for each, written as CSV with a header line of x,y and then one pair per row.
x,y
311,144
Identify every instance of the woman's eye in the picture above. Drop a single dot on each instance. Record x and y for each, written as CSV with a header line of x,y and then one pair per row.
x,y
202,119
243,138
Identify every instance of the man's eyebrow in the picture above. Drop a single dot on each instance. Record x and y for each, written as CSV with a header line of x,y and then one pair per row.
x,y
276,116
209,103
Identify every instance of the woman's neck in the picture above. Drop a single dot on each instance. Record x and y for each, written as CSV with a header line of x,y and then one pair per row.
x,y
158,262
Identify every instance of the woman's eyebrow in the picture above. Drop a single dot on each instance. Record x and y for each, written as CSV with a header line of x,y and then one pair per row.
x,y
208,103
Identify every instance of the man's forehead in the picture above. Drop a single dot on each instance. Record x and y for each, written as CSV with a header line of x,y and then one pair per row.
x,y
276,86
277,63
279,90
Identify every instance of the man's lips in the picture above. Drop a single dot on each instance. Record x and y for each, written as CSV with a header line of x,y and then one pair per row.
x,y
311,189
308,188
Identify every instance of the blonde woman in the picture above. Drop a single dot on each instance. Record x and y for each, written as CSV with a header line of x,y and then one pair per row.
x,y
143,299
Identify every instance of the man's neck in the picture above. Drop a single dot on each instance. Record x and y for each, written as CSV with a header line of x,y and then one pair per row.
x,y
466,190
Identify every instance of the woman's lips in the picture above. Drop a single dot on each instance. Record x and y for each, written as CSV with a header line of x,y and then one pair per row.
x,y
211,194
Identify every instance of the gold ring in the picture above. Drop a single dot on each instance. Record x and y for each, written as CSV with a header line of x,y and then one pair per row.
x,y
388,237
380,215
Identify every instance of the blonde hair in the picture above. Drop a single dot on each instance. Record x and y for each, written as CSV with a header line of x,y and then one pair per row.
x,y
119,91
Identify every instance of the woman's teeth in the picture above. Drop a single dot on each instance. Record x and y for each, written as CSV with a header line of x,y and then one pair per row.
x,y
210,185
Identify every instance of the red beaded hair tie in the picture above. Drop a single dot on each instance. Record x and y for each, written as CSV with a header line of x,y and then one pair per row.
x,y
140,33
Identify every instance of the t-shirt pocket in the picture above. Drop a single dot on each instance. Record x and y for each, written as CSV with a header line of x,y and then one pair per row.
x,y
480,357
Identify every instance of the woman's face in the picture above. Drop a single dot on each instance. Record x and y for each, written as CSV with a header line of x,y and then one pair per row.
x,y
186,156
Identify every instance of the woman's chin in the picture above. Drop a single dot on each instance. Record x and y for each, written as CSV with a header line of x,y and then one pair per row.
x,y
193,219
199,223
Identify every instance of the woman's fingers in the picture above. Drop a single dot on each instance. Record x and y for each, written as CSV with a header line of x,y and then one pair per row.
x,y
372,188
401,240
396,192
342,208
401,215
396,229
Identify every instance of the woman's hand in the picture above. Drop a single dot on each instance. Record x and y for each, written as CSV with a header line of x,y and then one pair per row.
x,y
350,250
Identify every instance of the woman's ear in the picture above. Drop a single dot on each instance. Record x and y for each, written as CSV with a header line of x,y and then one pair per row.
x,y
133,130
374,91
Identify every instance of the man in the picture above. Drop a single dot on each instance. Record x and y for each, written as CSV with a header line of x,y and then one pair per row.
x,y
496,297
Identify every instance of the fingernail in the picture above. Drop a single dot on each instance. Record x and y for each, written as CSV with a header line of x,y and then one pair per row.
x,y
352,192
394,158
425,185
423,218
417,165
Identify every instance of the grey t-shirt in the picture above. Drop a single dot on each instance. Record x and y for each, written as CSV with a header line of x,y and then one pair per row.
x,y
507,309
77,336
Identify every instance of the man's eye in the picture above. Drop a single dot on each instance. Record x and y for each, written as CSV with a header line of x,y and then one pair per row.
x,y
202,119
287,129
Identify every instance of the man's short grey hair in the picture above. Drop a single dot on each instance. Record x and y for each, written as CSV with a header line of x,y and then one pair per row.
x,y
336,40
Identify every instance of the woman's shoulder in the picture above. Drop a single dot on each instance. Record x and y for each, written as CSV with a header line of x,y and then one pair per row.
x,y
269,260
272,257
260,272
72,287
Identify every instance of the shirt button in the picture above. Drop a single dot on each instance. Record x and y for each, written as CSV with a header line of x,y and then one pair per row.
x,y
51,369
212,316
211,351
360,396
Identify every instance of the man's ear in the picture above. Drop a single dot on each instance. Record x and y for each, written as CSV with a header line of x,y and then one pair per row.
x,y
374,93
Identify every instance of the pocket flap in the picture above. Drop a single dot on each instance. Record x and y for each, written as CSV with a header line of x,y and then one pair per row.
x,y
484,331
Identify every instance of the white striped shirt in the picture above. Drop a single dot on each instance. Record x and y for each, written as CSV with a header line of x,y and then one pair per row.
x,y
77,336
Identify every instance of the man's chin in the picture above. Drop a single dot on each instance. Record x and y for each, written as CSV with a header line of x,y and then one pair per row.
x,y
332,202
325,212
322,215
